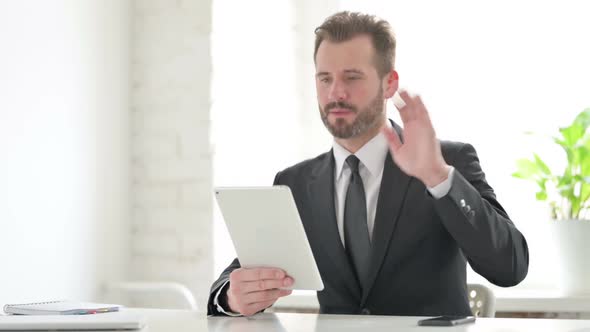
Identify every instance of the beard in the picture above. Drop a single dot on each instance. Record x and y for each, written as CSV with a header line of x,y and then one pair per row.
x,y
366,119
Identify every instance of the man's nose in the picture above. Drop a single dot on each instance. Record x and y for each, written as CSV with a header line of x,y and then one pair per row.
x,y
337,92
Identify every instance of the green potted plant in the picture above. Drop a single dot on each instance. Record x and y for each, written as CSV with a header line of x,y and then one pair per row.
x,y
568,195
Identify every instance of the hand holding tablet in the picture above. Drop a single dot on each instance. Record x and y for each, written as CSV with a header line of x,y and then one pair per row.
x,y
271,244
254,289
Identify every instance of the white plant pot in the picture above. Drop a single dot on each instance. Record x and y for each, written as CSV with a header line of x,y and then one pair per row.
x,y
572,243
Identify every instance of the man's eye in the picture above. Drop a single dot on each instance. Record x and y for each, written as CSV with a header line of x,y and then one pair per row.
x,y
325,80
353,78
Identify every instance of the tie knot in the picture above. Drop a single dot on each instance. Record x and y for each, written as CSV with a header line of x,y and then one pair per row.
x,y
353,163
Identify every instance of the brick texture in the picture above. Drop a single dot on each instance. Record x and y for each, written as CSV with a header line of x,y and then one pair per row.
x,y
171,190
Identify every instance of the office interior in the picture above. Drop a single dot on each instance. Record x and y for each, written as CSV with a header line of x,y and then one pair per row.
x,y
118,117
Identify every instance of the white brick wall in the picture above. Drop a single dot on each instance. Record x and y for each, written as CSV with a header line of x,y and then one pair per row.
x,y
171,151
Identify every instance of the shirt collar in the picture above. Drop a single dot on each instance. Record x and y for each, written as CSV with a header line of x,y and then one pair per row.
x,y
372,154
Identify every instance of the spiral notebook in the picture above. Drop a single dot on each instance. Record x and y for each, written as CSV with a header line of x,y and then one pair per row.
x,y
60,308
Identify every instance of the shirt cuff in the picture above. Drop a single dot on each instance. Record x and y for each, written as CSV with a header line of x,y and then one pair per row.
x,y
219,307
443,188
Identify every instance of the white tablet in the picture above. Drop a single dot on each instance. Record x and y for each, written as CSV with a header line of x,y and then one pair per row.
x,y
266,230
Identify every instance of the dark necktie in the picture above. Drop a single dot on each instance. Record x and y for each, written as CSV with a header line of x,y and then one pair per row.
x,y
356,232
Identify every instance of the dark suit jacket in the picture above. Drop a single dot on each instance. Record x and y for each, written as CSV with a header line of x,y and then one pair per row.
x,y
420,245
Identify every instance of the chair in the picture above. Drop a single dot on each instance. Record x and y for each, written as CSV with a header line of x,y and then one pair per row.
x,y
481,300
143,294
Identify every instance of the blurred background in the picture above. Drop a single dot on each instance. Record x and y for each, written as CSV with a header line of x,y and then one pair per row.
x,y
117,118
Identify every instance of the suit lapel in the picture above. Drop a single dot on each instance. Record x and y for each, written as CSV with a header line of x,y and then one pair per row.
x,y
394,186
321,193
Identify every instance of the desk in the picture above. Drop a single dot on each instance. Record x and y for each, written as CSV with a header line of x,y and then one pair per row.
x,y
507,301
537,301
189,321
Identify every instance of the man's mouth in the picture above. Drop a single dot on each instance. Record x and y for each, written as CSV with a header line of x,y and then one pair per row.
x,y
341,111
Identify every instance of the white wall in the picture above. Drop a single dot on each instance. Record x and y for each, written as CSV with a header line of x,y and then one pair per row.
x,y
63,147
171,151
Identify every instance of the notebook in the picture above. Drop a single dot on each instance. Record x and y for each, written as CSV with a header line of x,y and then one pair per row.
x,y
60,308
112,321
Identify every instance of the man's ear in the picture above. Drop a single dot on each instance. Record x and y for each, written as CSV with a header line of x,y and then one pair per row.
x,y
391,84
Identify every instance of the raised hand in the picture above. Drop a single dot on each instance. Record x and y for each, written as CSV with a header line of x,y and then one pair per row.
x,y
419,155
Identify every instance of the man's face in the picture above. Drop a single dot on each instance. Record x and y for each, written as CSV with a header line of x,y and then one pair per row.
x,y
349,90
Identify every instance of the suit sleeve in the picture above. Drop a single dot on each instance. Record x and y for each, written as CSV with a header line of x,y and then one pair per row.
x,y
217,284
493,245
222,280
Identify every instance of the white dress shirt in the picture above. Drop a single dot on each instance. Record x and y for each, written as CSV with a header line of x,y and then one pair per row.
x,y
372,159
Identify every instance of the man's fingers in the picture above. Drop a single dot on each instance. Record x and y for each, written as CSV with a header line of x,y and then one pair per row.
x,y
420,108
260,285
407,111
391,136
251,303
256,307
264,296
256,285
256,274
405,96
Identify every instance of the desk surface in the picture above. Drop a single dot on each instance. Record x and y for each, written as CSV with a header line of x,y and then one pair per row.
x,y
188,321
515,301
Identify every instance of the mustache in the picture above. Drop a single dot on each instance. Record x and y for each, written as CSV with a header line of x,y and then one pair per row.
x,y
339,104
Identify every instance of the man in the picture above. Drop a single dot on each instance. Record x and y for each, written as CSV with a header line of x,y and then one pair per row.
x,y
392,215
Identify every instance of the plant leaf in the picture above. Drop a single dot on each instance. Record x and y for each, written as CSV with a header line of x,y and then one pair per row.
x,y
585,160
526,169
574,185
541,165
583,119
572,134
541,195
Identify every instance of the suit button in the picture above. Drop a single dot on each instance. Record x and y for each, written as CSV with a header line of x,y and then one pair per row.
x,y
365,311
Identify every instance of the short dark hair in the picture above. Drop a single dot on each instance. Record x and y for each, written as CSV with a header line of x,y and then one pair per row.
x,y
346,25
